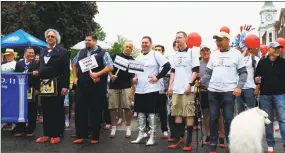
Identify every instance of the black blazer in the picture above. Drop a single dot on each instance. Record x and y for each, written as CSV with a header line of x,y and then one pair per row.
x,y
57,66
33,81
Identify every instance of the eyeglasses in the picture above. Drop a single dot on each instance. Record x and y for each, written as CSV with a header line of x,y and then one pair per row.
x,y
50,36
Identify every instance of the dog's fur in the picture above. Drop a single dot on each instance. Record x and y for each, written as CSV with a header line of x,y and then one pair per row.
x,y
247,130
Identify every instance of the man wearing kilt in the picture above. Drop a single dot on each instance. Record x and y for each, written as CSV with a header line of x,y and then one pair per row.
x,y
147,88
29,65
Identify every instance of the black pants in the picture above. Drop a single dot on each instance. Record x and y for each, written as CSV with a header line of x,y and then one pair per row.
x,y
89,99
162,111
32,117
106,112
53,115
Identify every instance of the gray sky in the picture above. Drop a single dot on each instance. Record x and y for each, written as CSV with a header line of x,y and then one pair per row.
x,y
161,20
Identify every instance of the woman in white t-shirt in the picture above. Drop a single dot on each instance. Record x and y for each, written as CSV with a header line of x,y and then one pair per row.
x,y
147,88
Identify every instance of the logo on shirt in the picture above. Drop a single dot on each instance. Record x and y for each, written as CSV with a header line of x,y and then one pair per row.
x,y
222,62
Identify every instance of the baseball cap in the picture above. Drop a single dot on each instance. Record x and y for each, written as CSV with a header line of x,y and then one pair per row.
x,y
222,35
203,47
275,45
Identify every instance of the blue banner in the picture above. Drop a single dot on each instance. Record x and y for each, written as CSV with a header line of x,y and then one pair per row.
x,y
14,100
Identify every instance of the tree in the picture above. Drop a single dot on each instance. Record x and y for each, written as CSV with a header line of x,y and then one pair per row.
x,y
117,47
72,19
101,35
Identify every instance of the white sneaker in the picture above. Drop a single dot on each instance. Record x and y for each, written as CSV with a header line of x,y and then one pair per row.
x,y
66,123
135,114
165,135
113,132
119,121
128,132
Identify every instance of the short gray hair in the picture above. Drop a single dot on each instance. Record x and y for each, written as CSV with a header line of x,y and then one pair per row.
x,y
57,37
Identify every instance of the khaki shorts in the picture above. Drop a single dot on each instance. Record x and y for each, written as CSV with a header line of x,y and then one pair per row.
x,y
183,105
119,97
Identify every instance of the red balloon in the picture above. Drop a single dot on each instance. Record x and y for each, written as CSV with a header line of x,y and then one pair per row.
x,y
194,39
281,41
252,41
225,29
264,49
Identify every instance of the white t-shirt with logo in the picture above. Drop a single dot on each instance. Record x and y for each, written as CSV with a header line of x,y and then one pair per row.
x,y
183,62
225,67
152,62
250,84
9,66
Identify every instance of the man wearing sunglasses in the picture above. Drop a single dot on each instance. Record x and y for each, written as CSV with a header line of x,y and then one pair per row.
x,y
225,65
53,65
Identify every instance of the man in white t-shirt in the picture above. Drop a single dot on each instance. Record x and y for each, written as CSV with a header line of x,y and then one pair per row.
x,y
162,98
225,65
10,64
183,73
247,98
147,88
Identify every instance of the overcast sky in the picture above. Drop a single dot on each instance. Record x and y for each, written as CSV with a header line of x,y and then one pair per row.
x,y
161,20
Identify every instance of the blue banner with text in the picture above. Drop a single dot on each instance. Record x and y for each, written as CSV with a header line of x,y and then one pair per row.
x,y
14,100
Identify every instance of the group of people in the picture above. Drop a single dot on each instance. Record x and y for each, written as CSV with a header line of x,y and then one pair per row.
x,y
227,77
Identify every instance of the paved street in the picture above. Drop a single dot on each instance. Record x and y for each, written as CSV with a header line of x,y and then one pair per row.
x,y
107,145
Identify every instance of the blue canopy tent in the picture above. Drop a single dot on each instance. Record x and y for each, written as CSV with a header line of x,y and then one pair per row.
x,y
19,40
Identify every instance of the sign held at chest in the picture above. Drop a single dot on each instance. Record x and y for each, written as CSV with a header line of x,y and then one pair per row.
x,y
88,63
121,63
136,66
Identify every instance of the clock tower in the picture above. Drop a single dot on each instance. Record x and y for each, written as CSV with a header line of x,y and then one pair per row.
x,y
266,29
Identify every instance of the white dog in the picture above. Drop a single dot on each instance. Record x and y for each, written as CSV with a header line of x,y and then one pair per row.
x,y
247,130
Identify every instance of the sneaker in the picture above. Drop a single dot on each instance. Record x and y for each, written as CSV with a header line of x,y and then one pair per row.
x,y
66,124
113,132
128,133
165,135
135,114
119,121
107,127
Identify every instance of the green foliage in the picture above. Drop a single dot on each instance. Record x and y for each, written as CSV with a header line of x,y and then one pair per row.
x,y
117,47
72,19
101,35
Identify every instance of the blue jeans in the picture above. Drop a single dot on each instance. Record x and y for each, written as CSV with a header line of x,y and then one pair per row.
x,y
267,102
247,97
217,100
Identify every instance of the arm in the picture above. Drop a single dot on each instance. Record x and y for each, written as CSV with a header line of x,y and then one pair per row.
x,y
242,77
207,77
66,70
108,62
194,75
164,71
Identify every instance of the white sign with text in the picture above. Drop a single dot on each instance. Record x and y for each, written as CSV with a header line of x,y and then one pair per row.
x,y
88,63
121,63
136,66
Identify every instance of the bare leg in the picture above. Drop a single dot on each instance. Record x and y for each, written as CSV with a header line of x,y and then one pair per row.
x,y
128,115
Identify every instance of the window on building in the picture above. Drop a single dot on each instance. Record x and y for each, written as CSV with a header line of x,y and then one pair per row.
x,y
270,37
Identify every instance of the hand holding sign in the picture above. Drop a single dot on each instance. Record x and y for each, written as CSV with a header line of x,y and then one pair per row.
x,y
121,64
95,76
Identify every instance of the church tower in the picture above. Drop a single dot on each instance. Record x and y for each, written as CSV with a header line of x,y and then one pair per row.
x,y
268,14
